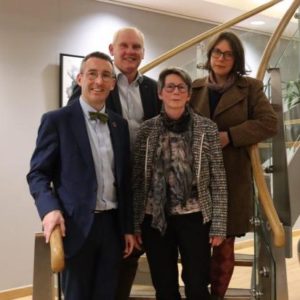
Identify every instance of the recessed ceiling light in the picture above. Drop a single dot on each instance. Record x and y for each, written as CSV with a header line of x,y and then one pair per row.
x,y
258,22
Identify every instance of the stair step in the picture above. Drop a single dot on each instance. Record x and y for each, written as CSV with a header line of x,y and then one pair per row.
x,y
241,260
142,292
238,294
244,260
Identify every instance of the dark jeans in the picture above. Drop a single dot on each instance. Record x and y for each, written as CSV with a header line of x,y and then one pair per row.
x,y
187,235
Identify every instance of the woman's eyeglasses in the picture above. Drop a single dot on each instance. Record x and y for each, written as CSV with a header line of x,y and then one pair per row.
x,y
170,87
217,53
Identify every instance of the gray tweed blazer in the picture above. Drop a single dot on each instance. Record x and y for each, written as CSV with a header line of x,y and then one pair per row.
x,y
208,169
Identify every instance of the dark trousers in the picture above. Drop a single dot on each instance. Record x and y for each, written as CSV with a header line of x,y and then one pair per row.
x,y
92,274
187,235
128,269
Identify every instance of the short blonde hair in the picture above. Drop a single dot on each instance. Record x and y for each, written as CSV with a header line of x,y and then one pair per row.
x,y
123,29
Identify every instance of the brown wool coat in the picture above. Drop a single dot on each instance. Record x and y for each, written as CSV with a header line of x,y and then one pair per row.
x,y
246,113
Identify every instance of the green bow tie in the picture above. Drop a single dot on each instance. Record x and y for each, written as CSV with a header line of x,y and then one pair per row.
x,y
98,115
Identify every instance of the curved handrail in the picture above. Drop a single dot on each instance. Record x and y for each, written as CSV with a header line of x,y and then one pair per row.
x,y
57,251
206,35
265,198
274,39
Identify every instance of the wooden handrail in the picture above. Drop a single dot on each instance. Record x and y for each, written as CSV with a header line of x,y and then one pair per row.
x,y
265,198
57,251
206,35
274,39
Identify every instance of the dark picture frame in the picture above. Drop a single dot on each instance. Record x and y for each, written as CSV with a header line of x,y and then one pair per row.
x,y
69,68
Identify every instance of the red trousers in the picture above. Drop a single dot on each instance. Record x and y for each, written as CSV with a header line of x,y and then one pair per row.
x,y
222,265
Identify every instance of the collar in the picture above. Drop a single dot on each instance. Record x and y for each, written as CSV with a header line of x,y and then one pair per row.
x,y
241,81
86,108
138,80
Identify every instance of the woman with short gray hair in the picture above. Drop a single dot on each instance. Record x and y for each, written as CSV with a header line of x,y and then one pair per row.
x,y
180,192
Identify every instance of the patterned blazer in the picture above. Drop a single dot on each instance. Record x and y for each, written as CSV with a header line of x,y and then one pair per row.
x,y
208,170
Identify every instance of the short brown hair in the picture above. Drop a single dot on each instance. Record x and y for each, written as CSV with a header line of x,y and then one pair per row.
x,y
95,54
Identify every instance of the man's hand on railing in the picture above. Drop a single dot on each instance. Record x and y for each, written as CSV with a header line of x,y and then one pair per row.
x,y
57,250
50,220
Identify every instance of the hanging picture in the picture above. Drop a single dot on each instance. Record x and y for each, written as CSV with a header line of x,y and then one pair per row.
x,y
69,68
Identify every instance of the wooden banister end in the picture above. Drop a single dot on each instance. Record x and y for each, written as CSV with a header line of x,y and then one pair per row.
x,y
57,251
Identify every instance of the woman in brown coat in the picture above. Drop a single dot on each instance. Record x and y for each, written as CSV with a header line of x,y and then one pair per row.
x,y
244,117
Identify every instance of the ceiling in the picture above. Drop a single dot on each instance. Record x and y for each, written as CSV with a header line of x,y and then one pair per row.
x,y
217,11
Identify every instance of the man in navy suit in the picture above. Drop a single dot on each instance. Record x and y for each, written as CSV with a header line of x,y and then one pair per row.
x,y
135,98
79,178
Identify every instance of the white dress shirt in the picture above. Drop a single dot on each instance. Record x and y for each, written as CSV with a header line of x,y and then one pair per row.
x,y
100,141
130,98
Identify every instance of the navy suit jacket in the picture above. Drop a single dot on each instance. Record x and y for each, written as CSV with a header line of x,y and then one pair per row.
x,y
148,90
62,174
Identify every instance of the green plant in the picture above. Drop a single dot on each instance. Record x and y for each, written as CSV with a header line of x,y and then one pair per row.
x,y
291,93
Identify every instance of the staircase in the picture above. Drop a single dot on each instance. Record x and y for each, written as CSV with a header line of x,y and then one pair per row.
x,y
143,290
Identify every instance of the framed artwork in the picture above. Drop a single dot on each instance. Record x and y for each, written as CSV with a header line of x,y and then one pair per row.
x,y
69,68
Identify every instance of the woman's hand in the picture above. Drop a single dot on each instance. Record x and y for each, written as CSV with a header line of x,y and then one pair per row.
x,y
129,244
138,241
216,241
224,138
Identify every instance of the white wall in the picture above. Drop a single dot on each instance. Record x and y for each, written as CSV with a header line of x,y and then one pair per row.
x,y
32,34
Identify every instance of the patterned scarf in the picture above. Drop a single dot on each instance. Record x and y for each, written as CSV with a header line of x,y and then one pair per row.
x,y
172,175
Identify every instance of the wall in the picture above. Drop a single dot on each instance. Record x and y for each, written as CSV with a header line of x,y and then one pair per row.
x,y
32,34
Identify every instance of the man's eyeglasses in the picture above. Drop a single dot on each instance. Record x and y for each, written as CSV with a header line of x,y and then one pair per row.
x,y
217,53
170,87
93,75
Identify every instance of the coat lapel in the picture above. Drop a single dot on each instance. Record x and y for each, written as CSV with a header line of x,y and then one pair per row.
x,y
202,93
235,94
229,99
196,147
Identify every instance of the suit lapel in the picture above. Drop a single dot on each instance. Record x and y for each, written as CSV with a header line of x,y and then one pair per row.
x,y
146,102
115,132
79,130
115,104
113,129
